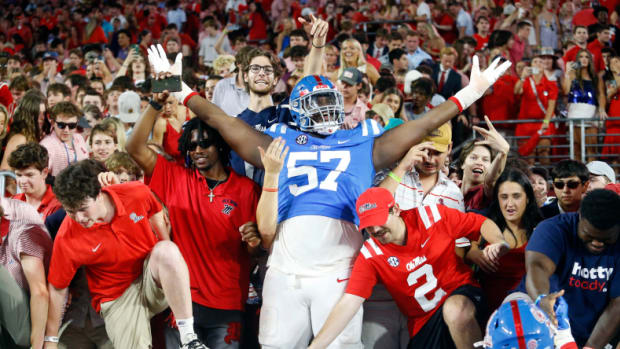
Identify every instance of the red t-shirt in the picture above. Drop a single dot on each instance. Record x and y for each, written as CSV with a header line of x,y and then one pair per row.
x,y
424,272
614,111
207,233
546,90
113,253
571,55
595,48
49,203
475,199
501,103
481,42
97,36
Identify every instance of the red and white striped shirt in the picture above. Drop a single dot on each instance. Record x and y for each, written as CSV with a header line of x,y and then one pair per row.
x,y
23,232
61,155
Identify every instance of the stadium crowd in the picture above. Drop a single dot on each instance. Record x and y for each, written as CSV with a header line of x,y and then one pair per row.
x,y
325,174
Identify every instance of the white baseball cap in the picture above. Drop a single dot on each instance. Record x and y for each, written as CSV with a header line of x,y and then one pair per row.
x,y
600,168
129,107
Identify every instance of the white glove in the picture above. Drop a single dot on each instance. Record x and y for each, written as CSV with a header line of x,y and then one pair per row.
x,y
480,82
160,63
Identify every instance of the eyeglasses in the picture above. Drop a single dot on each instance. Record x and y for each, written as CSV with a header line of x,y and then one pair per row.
x,y
569,184
62,125
203,143
255,69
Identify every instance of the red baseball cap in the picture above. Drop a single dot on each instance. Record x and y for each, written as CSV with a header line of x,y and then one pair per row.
x,y
373,207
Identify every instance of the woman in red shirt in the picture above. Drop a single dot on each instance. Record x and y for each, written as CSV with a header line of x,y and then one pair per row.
x,y
257,22
538,98
515,212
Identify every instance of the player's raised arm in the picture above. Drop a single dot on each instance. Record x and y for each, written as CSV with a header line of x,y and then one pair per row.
x,y
393,144
242,138
317,31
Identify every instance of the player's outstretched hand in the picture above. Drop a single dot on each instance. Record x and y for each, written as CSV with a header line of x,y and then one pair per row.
x,y
249,234
479,81
273,157
316,28
547,304
160,63
492,138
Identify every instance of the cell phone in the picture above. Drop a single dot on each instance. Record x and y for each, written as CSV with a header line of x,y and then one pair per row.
x,y
135,48
171,84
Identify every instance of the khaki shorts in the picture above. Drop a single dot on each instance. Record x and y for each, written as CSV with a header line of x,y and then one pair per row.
x,y
127,318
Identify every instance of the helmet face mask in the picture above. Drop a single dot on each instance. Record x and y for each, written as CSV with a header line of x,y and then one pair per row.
x,y
316,106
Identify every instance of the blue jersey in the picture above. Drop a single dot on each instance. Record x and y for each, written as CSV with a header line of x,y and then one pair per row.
x,y
260,121
589,281
324,176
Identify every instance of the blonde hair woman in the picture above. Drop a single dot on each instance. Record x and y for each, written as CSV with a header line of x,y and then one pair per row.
x,y
433,42
352,56
224,65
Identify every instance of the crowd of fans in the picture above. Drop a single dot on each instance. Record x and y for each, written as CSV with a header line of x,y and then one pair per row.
x,y
83,133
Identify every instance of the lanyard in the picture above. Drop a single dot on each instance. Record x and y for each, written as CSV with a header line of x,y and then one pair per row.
x,y
67,152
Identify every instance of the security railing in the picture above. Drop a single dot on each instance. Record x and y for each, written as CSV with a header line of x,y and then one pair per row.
x,y
563,141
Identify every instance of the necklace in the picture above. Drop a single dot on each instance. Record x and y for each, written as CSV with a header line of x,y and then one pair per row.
x,y
211,195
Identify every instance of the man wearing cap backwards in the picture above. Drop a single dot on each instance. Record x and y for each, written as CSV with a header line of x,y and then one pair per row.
x,y
129,109
412,253
601,174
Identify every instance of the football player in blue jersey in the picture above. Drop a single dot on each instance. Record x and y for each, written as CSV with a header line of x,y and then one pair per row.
x,y
326,169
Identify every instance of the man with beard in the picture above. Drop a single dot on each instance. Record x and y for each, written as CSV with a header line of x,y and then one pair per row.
x,y
209,206
577,256
261,76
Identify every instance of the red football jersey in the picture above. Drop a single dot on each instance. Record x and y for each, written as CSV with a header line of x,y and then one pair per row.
x,y
421,274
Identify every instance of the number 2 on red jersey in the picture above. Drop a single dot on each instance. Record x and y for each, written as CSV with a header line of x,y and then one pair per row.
x,y
430,285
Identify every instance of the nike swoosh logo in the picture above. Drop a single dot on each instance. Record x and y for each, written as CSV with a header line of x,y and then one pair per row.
x,y
339,280
343,142
96,248
424,244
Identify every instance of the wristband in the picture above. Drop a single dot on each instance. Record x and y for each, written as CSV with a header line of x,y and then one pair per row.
x,y
189,96
315,46
546,121
270,190
155,105
539,298
395,177
51,339
457,102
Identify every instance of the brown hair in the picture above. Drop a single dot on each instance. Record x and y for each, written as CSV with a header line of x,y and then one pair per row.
x,y
29,154
66,108
104,127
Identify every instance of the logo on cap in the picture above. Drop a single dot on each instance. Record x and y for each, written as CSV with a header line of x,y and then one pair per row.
x,y
367,206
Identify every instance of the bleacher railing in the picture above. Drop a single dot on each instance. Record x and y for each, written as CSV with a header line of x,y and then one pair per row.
x,y
562,142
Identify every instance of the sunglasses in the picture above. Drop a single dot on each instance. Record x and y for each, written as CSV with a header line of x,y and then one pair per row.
x,y
569,184
62,125
203,143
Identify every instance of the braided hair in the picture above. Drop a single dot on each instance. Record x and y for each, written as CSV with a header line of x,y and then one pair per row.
x,y
223,150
